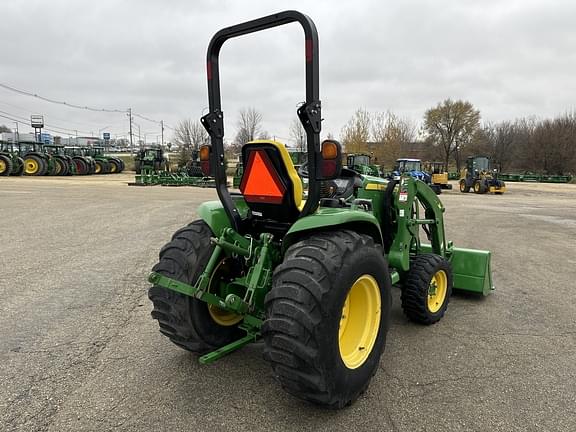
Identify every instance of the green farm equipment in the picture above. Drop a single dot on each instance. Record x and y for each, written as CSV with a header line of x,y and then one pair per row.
x,y
63,164
152,159
237,175
10,161
104,164
481,177
362,163
312,277
84,164
36,161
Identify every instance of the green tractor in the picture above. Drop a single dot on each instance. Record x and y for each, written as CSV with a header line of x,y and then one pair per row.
x,y
362,163
10,161
84,164
481,177
105,164
36,161
63,164
152,159
312,277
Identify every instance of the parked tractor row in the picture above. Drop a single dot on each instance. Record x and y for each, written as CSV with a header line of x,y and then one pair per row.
x,y
36,159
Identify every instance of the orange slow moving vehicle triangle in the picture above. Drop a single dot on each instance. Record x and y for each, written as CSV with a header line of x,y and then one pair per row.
x,y
261,183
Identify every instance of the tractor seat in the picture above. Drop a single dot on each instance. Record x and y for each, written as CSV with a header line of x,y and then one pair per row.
x,y
270,184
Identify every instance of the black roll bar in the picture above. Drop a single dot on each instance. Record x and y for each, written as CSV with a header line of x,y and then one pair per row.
x,y
309,113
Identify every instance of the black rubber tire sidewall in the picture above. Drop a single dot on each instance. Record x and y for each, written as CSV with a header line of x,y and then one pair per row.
x,y
195,330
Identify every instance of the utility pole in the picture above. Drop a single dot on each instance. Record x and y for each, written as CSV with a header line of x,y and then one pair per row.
x,y
131,142
162,129
17,138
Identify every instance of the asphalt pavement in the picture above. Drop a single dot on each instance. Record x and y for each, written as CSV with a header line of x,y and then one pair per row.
x,y
80,352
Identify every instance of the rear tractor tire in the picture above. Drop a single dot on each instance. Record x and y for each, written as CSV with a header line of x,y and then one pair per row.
x,y
5,165
34,166
427,289
18,168
188,322
327,316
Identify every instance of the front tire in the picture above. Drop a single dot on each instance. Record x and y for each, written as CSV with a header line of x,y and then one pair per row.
x,y
327,317
427,289
186,321
464,188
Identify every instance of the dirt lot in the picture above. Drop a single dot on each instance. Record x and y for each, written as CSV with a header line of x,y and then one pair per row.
x,y
79,351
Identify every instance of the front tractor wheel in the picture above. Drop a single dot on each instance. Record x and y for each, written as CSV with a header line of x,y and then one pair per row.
x,y
327,316
188,322
464,186
427,289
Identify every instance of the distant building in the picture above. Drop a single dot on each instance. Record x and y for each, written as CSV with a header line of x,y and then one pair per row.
x,y
80,141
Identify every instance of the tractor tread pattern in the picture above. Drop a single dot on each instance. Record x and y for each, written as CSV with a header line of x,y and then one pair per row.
x,y
295,307
415,291
8,165
171,309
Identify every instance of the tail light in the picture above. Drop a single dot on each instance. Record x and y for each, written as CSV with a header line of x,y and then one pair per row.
x,y
331,162
205,151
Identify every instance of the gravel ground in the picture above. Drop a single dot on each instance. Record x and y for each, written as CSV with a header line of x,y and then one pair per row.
x,y
80,352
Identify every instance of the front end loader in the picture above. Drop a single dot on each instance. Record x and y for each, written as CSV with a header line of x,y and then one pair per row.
x,y
480,177
310,276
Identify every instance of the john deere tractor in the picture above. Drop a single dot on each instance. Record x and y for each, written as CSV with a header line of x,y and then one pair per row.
x,y
105,164
63,164
151,159
312,278
362,163
10,161
481,177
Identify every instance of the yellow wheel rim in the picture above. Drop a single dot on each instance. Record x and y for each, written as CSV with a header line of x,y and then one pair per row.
x,y
437,291
2,166
220,316
112,168
98,168
476,187
359,322
30,166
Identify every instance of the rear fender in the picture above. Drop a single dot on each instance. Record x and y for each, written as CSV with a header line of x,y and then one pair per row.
x,y
334,218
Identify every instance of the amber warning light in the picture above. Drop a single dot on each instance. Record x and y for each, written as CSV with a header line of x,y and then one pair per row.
x,y
205,159
261,183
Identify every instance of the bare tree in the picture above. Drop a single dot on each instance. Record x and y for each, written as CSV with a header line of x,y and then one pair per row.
x,y
390,133
552,146
298,134
189,135
452,125
356,133
249,126
4,128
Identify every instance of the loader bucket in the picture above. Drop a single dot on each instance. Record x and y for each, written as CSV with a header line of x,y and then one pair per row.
x,y
471,270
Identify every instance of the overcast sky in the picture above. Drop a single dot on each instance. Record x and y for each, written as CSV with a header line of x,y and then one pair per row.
x,y
509,58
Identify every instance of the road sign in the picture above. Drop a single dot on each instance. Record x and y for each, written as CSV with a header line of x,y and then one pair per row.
x,y
106,135
37,121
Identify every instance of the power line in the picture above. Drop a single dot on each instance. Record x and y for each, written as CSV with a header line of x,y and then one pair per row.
x,y
71,105
51,128
27,111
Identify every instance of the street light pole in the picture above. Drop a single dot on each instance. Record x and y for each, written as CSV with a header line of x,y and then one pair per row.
x,y
131,142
